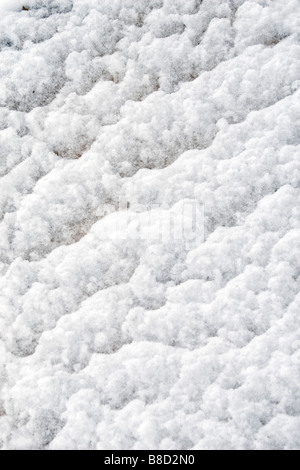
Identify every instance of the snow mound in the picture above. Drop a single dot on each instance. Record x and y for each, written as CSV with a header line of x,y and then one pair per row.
x,y
150,224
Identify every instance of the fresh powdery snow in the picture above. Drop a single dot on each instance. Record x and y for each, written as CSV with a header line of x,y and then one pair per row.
x,y
150,224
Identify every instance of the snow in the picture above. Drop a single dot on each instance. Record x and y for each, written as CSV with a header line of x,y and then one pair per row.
x,y
150,224
10,5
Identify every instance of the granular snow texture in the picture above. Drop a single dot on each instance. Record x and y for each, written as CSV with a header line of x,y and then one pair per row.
x,y
114,340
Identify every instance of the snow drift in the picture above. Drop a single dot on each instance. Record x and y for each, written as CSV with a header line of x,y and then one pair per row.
x,y
117,112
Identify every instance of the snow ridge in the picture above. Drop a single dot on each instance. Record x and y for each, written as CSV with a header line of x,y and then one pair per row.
x,y
116,115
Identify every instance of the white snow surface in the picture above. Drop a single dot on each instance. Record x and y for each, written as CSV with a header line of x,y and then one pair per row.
x,y
119,342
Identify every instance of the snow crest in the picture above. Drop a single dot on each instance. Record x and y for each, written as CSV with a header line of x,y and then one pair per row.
x,y
116,116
